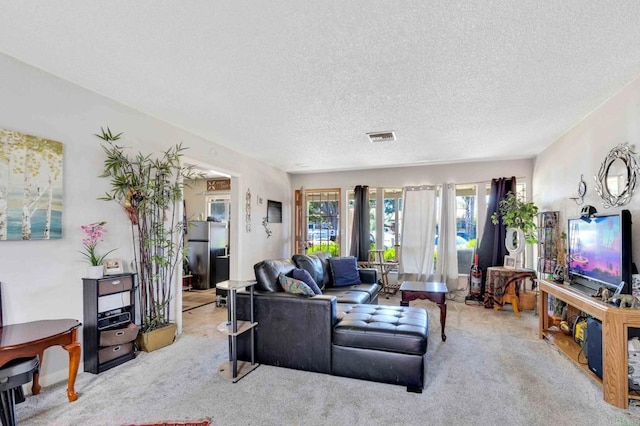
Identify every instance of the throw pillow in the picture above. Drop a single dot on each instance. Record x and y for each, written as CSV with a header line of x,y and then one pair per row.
x,y
344,271
293,286
304,276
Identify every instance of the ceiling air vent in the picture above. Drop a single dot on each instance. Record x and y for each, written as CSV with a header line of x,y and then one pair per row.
x,y
382,136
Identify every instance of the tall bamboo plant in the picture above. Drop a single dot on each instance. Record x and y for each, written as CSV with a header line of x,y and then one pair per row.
x,y
149,189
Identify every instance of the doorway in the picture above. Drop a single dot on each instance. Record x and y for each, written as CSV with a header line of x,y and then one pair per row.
x,y
210,238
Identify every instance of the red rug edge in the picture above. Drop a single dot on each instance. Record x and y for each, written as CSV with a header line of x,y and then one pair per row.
x,y
201,422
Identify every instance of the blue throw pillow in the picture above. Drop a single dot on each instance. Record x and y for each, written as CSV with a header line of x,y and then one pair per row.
x,y
293,286
344,271
304,276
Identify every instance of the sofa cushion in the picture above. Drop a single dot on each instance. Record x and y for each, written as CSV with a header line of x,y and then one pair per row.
x,y
317,266
370,289
267,273
304,276
293,286
346,295
324,257
399,329
344,271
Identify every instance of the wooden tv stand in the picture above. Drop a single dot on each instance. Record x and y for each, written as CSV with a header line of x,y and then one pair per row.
x,y
615,325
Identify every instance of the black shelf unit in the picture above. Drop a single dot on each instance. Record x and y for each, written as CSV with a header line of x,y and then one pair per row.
x,y
109,305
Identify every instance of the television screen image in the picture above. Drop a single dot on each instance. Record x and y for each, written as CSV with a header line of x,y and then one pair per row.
x,y
600,250
595,249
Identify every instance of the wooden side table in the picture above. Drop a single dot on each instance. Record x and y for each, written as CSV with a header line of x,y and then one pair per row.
x,y
502,286
434,291
32,338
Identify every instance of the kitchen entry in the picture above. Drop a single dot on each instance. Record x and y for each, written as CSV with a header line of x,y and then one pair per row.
x,y
208,205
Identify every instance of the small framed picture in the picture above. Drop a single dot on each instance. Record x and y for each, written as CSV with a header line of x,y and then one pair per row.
x,y
509,262
113,267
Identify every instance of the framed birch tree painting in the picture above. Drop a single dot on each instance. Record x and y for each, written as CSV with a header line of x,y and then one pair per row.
x,y
30,187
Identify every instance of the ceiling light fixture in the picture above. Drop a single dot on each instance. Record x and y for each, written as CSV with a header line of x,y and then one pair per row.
x,y
382,136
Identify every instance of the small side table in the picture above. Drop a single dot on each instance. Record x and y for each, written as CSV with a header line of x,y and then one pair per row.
x,y
434,291
233,369
503,286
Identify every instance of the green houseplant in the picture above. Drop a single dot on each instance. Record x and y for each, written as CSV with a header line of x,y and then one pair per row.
x,y
519,214
149,189
519,217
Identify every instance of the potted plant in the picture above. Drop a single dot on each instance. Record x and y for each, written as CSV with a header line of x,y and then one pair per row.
x,y
93,234
519,216
149,189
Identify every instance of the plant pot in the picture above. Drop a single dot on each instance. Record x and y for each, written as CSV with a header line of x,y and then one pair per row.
x,y
159,338
514,241
95,271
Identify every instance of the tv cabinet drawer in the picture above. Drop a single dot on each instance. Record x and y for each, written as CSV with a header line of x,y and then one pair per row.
x,y
119,336
113,352
115,285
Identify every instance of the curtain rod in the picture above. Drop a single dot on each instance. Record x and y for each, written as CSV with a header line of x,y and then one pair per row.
x,y
421,187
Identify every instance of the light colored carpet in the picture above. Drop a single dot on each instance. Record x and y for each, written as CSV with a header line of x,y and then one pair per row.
x,y
492,370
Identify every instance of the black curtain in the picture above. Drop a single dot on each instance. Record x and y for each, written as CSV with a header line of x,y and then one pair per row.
x,y
360,240
491,249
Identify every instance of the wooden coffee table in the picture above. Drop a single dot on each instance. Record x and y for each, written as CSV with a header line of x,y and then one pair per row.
x,y
434,291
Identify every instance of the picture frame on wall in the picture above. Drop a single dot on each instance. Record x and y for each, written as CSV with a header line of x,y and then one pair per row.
x,y
509,262
25,213
113,267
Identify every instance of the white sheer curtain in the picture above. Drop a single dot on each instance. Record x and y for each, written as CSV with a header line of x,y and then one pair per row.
x,y
418,233
447,260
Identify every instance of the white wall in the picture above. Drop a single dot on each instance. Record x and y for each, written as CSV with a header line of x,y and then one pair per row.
x,y
43,279
581,151
420,175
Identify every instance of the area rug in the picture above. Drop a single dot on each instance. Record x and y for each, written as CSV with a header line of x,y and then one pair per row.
x,y
203,422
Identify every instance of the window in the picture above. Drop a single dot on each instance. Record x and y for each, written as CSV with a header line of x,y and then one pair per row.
x,y
392,222
386,216
218,208
466,216
322,216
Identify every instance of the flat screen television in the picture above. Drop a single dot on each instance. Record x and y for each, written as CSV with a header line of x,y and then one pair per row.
x,y
600,251
274,211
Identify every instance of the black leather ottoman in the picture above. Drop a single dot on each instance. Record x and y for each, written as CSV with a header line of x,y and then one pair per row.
x,y
381,343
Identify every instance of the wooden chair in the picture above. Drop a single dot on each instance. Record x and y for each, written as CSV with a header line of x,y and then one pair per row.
x,y
376,260
13,375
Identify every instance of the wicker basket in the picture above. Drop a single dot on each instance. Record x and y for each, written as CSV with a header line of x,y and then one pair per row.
x,y
527,300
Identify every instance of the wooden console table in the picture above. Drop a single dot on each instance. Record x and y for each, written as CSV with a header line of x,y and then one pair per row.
x,y
615,326
32,338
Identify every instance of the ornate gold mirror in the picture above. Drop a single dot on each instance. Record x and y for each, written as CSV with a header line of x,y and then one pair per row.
x,y
616,179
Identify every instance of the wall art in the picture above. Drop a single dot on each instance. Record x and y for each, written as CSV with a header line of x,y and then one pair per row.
x,y
247,212
30,187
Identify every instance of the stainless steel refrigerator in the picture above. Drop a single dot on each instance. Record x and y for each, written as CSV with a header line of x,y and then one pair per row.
x,y
207,242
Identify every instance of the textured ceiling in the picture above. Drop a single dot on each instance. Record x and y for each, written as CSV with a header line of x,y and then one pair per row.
x,y
456,81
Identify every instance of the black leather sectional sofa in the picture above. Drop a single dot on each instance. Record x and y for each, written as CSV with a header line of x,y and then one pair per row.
x,y
342,332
